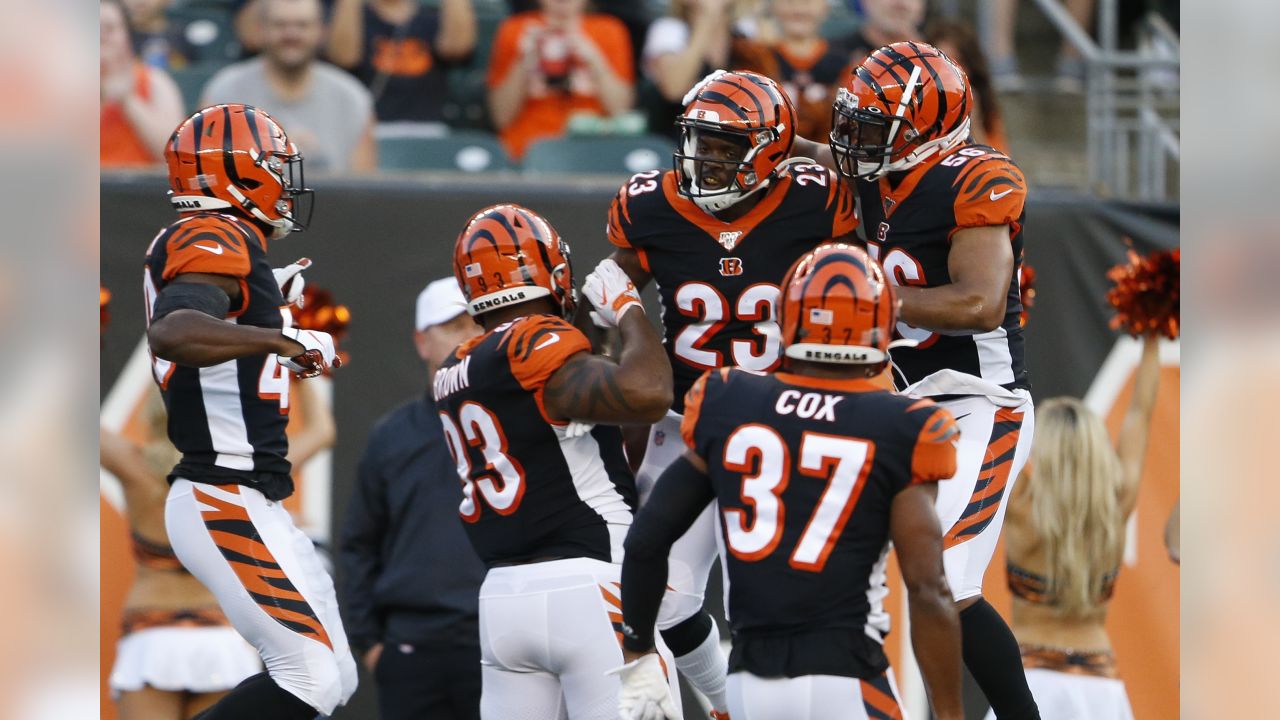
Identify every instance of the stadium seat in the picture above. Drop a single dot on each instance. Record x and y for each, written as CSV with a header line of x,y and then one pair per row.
x,y
612,155
208,26
465,151
191,81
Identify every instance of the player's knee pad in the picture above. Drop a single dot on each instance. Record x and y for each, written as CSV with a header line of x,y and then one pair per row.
x,y
685,636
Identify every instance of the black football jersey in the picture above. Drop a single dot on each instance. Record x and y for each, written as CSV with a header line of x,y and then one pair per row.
x,y
530,489
228,420
805,471
909,228
718,281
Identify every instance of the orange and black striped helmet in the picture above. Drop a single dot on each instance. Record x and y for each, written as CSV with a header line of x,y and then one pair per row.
x,y
838,307
904,103
509,254
750,111
237,157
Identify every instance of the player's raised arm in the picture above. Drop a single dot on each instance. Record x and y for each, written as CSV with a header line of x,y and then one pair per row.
x,y
637,388
935,625
817,150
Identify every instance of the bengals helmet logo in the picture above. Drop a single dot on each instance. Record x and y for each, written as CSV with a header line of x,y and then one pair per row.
x,y
730,266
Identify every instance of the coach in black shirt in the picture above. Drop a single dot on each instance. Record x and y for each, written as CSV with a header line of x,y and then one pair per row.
x,y
412,578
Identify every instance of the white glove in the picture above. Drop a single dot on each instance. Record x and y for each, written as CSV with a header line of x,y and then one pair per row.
x,y
644,694
693,92
289,278
320,353
611,292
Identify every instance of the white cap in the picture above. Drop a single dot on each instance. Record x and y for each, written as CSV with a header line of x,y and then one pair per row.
x,y
440,302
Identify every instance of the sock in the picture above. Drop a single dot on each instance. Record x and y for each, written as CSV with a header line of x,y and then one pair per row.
x,y
991,654
696,646
258,697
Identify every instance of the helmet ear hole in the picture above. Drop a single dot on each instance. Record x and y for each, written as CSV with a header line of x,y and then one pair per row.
x,y
250,183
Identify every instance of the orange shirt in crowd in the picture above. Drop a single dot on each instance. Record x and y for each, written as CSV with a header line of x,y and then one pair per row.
x,y
118,143
555,92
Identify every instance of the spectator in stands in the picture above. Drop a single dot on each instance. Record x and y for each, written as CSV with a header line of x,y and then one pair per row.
x,y
141,105
957,40
400,49
550,64
699,36
412,579
1004,58
329,113
808,67
160,43
885,22
1064,535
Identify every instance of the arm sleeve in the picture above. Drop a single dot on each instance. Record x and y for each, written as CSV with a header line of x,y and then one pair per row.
x,y
990,190
361,554
934,455
679,497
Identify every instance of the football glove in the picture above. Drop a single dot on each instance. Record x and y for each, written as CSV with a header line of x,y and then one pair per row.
x,y
644,694
289,278
611,292
320,353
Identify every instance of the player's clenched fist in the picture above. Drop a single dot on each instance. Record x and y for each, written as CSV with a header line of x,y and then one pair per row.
x,y
644,694
319,352
611,292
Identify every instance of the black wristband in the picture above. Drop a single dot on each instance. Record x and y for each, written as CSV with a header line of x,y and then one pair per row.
x,y
201,297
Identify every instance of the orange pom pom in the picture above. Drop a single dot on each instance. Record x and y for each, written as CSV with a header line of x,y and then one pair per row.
x,y
1146,294
1026,290
320,312
104,312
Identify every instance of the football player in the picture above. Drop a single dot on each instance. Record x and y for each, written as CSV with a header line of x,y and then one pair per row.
x,y
945,218
222,350
716,234
815,469
547,498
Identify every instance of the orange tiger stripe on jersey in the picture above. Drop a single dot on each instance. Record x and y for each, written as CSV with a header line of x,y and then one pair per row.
x,y
538,346
693,404
207,243
990,190
846,220
234,534
878,700
934,457
993,478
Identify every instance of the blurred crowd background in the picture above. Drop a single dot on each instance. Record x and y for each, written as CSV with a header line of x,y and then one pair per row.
x,y
413,113
574,86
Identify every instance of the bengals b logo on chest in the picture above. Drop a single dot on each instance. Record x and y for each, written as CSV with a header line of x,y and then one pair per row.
x,y
730,266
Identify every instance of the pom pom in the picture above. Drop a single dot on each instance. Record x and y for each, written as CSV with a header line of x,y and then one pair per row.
x,y
320,312
104,312
1145,295
1026,290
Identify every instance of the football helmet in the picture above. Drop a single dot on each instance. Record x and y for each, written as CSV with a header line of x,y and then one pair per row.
x,y
237,157
509,254
838,307
740,109
905,103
